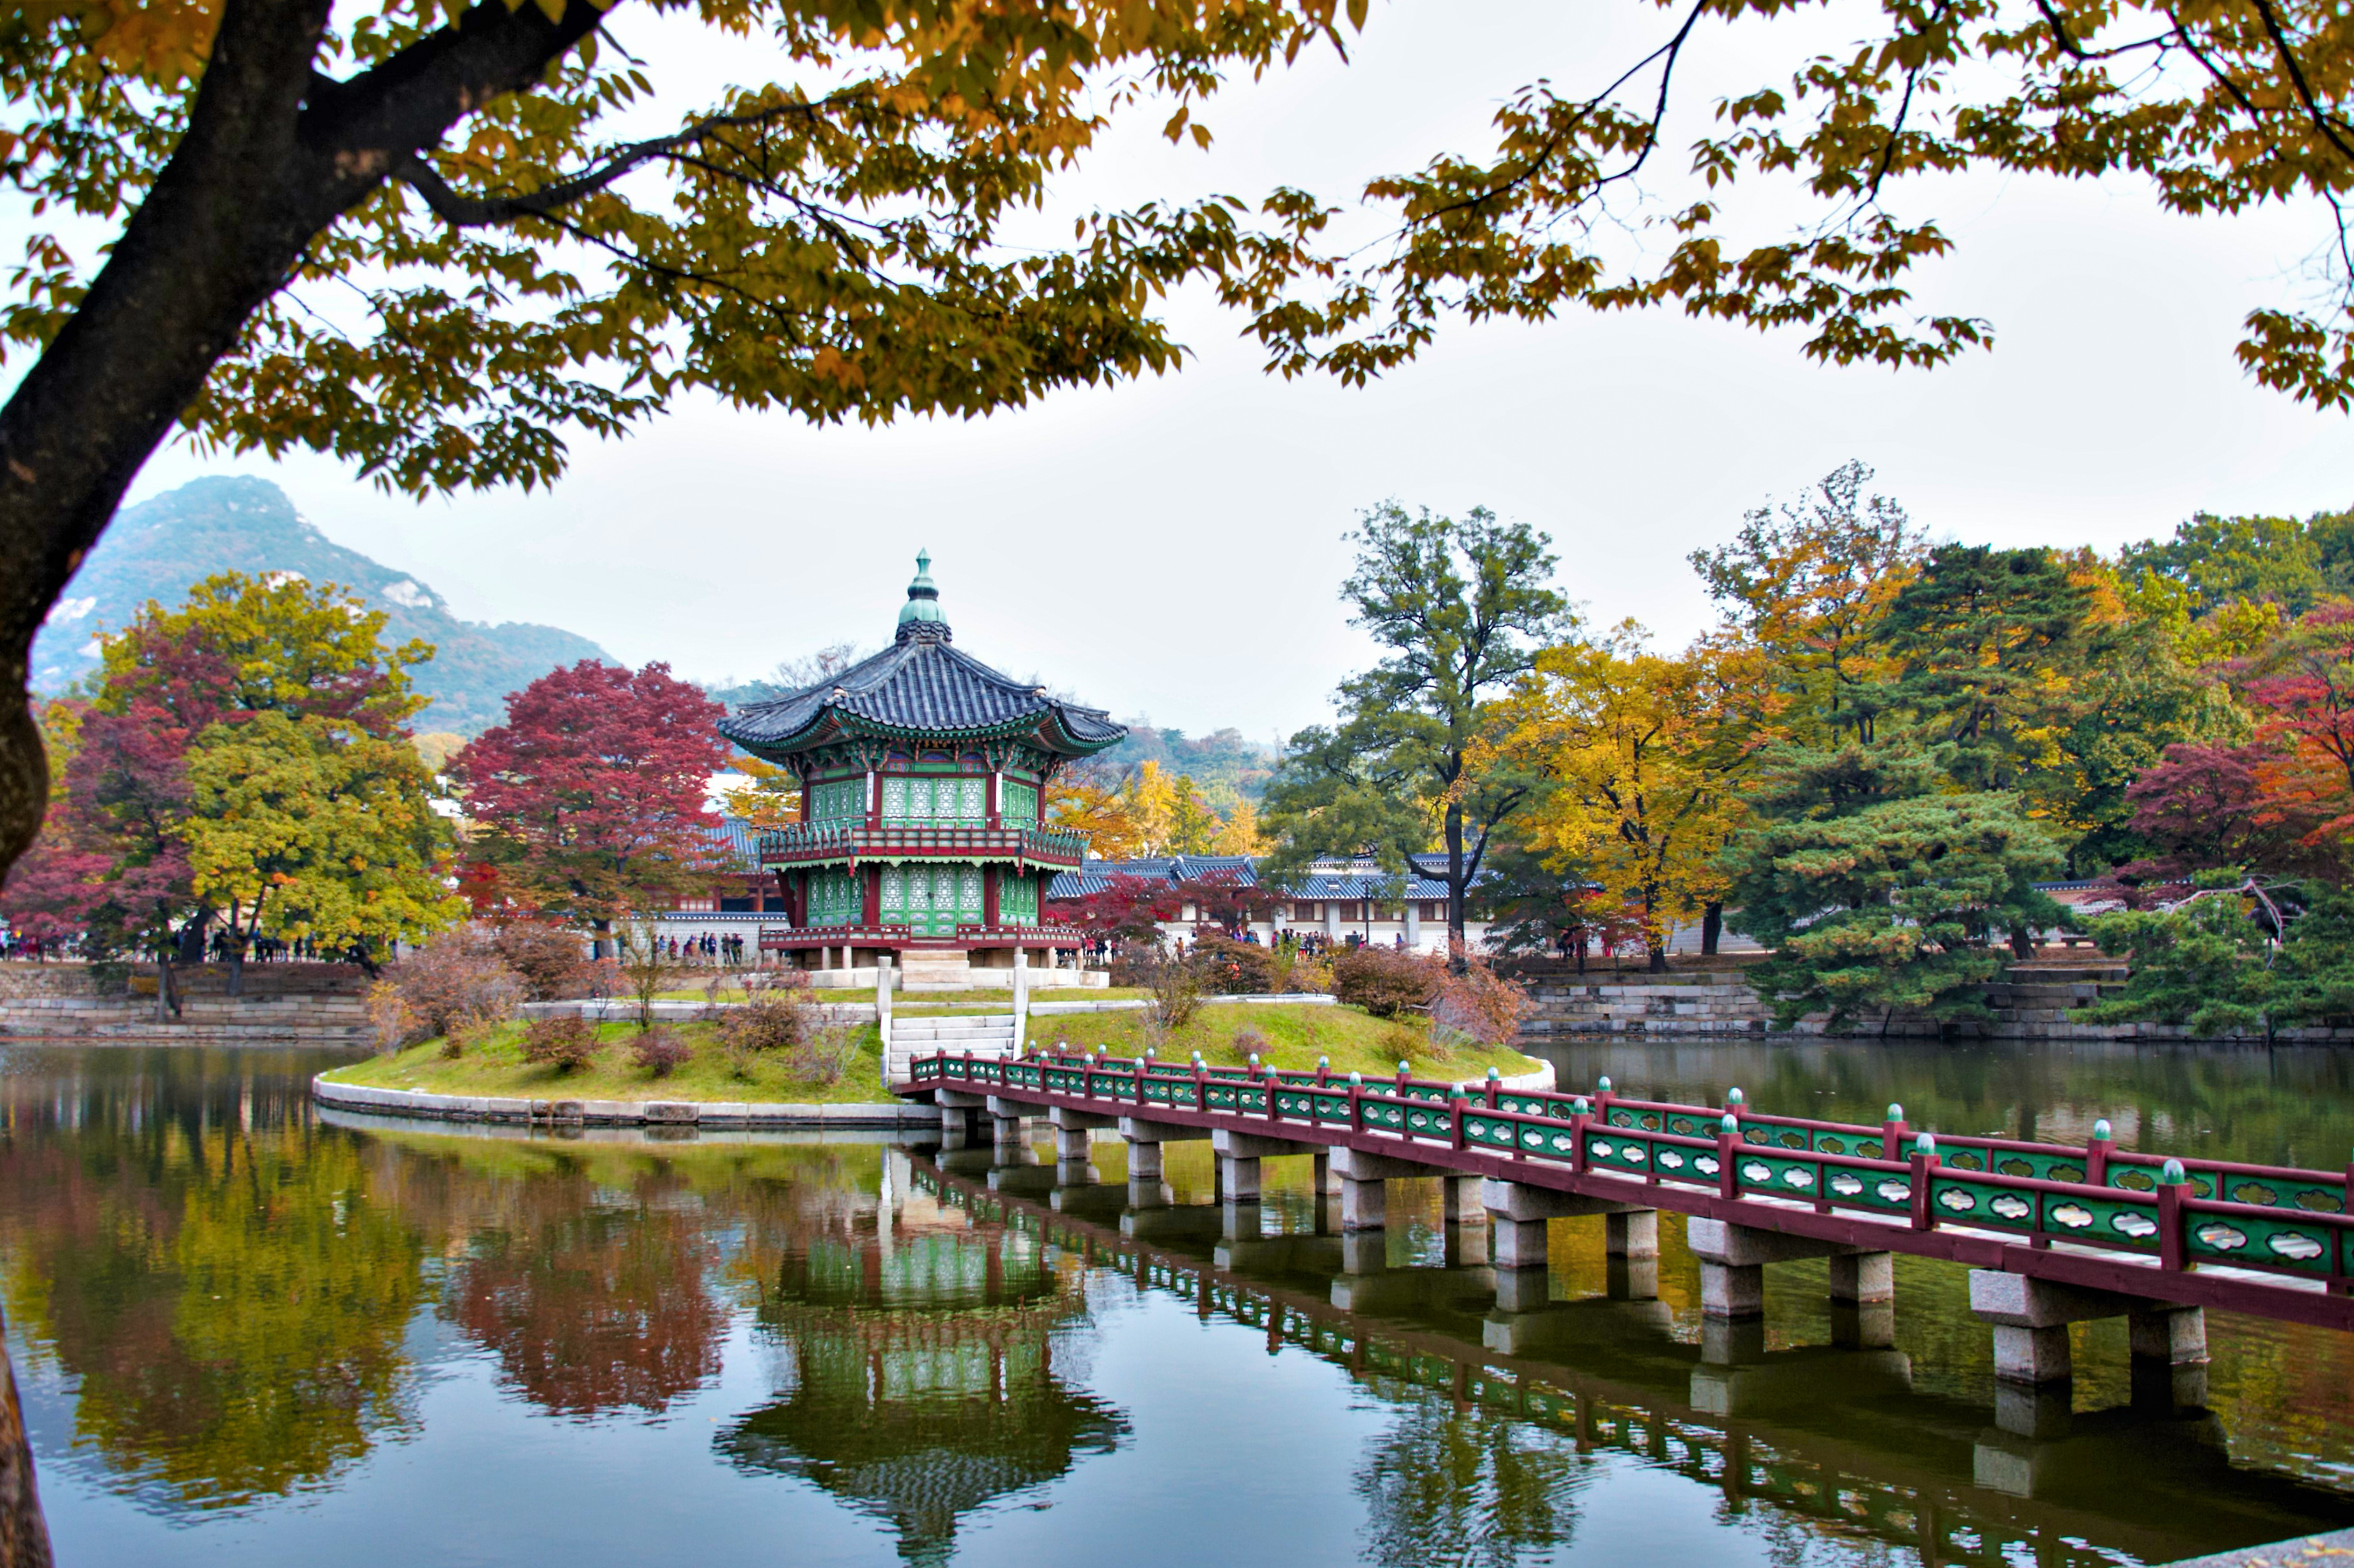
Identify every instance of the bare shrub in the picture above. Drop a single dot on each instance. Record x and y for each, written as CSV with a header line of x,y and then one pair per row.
x,y
549,961
646,965
773,1020
661,1052
1235,969
1247,1041
565,1042
823,1055
1174,987
1386,982
455,980
392,1023
1479,1004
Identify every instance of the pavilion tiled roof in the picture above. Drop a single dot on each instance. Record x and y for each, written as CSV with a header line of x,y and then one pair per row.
x,y
921,684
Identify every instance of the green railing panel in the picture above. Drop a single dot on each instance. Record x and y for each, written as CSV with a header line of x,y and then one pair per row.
x,y
1979,1201
2275,1192
1785,1175
2274,1243
2139,1177
1382,1115
1691,1126
1420,1122
1608,1151
1698,1167
2118,1221
1547,1142
1639,1121
1490,1132
1885,1190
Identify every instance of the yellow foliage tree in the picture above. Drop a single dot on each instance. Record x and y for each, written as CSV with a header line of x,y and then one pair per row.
x,y
1077,808
1643,753
770,796
1240,833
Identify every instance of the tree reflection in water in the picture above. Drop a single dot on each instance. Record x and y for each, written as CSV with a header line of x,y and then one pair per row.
x,y
1446,1484
595,1300
921,1355
217,1277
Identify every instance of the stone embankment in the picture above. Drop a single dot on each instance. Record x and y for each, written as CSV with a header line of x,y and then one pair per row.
x,y
684,1114
295,1004
2031,1002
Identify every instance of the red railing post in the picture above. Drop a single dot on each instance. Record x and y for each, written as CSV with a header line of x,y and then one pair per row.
x,y
1357,1102
1925,1159
2096,1154
1455,1102
1580,1118
1728,1157
1201,1086
2172,1243
1495,1086
1892,1133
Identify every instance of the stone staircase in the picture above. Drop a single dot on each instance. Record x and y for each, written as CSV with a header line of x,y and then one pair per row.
x,y
2034,996
988,1035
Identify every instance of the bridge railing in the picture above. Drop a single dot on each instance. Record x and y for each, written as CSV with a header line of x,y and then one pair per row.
x,y
2179,1214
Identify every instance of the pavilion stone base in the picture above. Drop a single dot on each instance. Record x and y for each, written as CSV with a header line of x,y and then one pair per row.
x,y
939,969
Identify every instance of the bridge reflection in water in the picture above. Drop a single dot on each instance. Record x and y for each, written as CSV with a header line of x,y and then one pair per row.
x,y
1834,1436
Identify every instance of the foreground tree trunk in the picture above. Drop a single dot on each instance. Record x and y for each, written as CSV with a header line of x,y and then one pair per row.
x,y
23,1534
1712,928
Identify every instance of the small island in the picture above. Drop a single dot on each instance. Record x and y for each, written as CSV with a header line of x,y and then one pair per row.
x,y
493,1063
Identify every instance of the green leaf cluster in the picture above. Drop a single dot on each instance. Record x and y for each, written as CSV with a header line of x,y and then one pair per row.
x,y
1880,895
2214,965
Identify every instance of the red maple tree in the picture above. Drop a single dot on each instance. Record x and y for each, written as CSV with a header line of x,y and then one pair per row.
x,y
588,802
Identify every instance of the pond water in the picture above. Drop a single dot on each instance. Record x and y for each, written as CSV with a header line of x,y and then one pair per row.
x,y
251,1332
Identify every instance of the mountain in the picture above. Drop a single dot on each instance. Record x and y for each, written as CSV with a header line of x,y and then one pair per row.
x,y
157,549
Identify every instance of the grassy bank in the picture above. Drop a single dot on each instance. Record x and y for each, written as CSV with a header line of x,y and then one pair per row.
x,y
1226,1035
494,1066
1286,1036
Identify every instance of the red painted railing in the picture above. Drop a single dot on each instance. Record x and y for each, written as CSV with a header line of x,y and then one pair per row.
x,y
2266,1239
803,844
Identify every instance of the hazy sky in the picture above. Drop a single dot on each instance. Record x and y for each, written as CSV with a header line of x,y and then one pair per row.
x,y
1171,549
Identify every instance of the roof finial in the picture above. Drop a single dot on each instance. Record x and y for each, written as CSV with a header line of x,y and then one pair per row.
x,y
920,616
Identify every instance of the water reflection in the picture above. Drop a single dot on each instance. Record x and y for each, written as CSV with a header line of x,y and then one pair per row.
x,y
1820,1442
228,1303
218,1276
922,1361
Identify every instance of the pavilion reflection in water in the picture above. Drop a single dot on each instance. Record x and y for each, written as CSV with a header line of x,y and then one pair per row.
x,y
921,1356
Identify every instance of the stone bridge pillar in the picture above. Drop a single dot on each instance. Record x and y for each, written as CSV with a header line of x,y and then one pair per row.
x,y
1517,1217
1733,1260
2032,1364
1364,1194
1238,1156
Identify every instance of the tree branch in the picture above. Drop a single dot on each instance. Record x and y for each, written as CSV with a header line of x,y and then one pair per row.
x,y
461,211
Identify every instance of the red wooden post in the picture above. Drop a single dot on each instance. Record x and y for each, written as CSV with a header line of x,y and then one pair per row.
x,y
1495,1083
1357,1102
1728,1157
1925,1159
1580,1118
1892,1133
2096,1154
2171,1240
1456,1101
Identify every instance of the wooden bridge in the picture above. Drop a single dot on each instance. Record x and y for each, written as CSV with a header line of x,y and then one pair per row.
x,y
2055,1232
1609,1373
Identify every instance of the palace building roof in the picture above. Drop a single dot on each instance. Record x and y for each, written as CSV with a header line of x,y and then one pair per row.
x,y
1357,878
921,687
